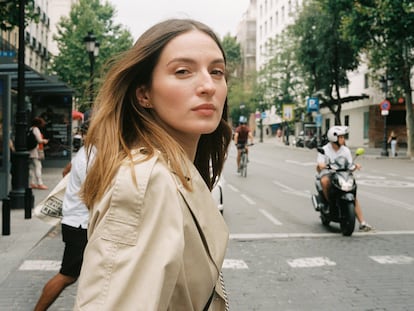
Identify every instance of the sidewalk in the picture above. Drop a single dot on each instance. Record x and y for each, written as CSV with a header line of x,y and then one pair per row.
x,y
25,233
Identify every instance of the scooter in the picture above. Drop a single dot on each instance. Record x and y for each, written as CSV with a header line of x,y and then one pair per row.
x,y
300,140
342,194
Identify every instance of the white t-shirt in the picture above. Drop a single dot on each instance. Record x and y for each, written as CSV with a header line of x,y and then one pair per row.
x,y
331,154
33,153
74,211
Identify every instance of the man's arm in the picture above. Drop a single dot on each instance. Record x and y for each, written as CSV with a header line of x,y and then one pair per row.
x,y
236,137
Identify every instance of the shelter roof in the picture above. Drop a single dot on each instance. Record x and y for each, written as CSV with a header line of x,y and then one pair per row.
x,y
35,83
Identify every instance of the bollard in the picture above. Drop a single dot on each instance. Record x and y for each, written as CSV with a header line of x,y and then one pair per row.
x,y
6,216
28,203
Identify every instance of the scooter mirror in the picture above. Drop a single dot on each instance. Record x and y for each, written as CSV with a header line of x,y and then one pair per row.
x,y
359,151
321,150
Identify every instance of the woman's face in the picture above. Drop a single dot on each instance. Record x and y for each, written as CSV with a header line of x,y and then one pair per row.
x,y
188,88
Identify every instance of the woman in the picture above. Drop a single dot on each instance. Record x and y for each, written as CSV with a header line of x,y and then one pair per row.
x,y
392,140
156,240
36,155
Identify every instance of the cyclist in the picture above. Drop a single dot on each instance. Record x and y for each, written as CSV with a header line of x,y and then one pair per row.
x,y
334,148
241,135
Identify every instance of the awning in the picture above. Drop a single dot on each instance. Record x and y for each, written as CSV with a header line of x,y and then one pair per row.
x,y
35,83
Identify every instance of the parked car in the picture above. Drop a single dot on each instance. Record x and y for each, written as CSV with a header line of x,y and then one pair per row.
x,y
217,193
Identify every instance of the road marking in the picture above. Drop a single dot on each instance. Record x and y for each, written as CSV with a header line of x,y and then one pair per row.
x,y
387,200
232,188
264,236
250,201
386,183
42,265
289,190
396,259
280,185
234,264
270,217
310,262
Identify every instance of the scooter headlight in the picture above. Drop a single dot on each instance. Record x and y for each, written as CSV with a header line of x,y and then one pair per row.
x,y
346,185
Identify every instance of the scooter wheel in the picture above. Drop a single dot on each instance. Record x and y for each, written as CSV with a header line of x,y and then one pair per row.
x,y
325,221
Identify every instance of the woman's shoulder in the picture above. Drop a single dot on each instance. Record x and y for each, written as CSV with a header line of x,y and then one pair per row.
x,y
146,165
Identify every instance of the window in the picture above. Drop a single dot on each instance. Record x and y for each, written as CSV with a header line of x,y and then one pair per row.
x,y
366,81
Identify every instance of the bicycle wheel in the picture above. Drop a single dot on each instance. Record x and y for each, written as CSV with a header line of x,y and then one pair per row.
x,y
243,164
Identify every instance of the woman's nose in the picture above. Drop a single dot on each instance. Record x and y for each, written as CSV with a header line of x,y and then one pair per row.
x,y
206,84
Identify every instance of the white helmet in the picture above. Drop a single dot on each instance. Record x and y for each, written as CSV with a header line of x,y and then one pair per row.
x,y
336,131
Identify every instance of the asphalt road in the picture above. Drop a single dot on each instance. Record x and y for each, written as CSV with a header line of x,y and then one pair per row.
x,y
280,256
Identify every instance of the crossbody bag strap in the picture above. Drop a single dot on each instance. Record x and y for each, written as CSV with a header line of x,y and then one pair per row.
x,y
209,301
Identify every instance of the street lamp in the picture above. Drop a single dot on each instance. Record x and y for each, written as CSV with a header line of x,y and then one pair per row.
x,y
20,195
92,47
285,123
386,84
261,104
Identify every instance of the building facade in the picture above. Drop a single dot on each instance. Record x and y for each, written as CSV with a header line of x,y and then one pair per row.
x,y
364,116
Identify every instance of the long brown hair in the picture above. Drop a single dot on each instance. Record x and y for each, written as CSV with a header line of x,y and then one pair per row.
x,y
120,124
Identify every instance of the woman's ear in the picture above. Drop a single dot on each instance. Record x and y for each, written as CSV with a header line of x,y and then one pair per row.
x,y
143,97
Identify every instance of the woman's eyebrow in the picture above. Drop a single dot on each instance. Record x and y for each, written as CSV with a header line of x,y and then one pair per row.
x,y
192,61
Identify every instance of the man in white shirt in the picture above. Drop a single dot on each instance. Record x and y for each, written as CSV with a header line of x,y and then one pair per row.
x,y
74,233
335,148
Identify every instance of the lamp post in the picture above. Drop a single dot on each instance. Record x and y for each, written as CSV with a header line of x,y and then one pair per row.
x,y
386,84
285,123
261,104
21,195
92,47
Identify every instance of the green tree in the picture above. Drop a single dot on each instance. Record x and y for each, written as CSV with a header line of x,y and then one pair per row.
x,y
280,78
72,63
383,30
323,54
9,14
233,54
238,95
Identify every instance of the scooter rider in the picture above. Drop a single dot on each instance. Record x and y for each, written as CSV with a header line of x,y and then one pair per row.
x,y
333,149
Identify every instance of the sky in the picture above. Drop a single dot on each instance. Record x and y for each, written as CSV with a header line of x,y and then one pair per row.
x,y
222,16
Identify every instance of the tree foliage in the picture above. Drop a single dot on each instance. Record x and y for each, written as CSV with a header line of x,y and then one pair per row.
x,y
9,14
383,30
238,97
72,64
279,79
324,55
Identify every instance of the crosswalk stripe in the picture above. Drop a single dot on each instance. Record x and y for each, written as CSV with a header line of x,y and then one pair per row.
x,y
393,259
42,265
310,262
234,264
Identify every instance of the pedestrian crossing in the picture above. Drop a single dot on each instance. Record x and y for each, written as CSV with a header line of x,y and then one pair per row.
x,y
239,264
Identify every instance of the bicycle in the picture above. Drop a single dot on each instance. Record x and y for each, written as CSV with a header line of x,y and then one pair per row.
x,y
243,161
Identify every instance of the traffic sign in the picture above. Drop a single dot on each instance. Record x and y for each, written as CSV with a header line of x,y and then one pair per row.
x,y
385,105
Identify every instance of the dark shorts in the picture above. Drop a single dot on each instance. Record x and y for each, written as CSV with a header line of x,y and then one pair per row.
x,y
75,240
241,146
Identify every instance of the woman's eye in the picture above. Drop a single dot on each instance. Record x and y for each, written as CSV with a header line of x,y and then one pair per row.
x,y
182,71
217,72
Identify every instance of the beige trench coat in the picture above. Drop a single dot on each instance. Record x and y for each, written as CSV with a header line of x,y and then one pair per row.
x,y
155,246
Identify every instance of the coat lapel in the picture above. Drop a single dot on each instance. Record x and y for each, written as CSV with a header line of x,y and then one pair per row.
x,y
210,222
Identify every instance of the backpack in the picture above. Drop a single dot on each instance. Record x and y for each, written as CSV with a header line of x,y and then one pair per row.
x,y
31,141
